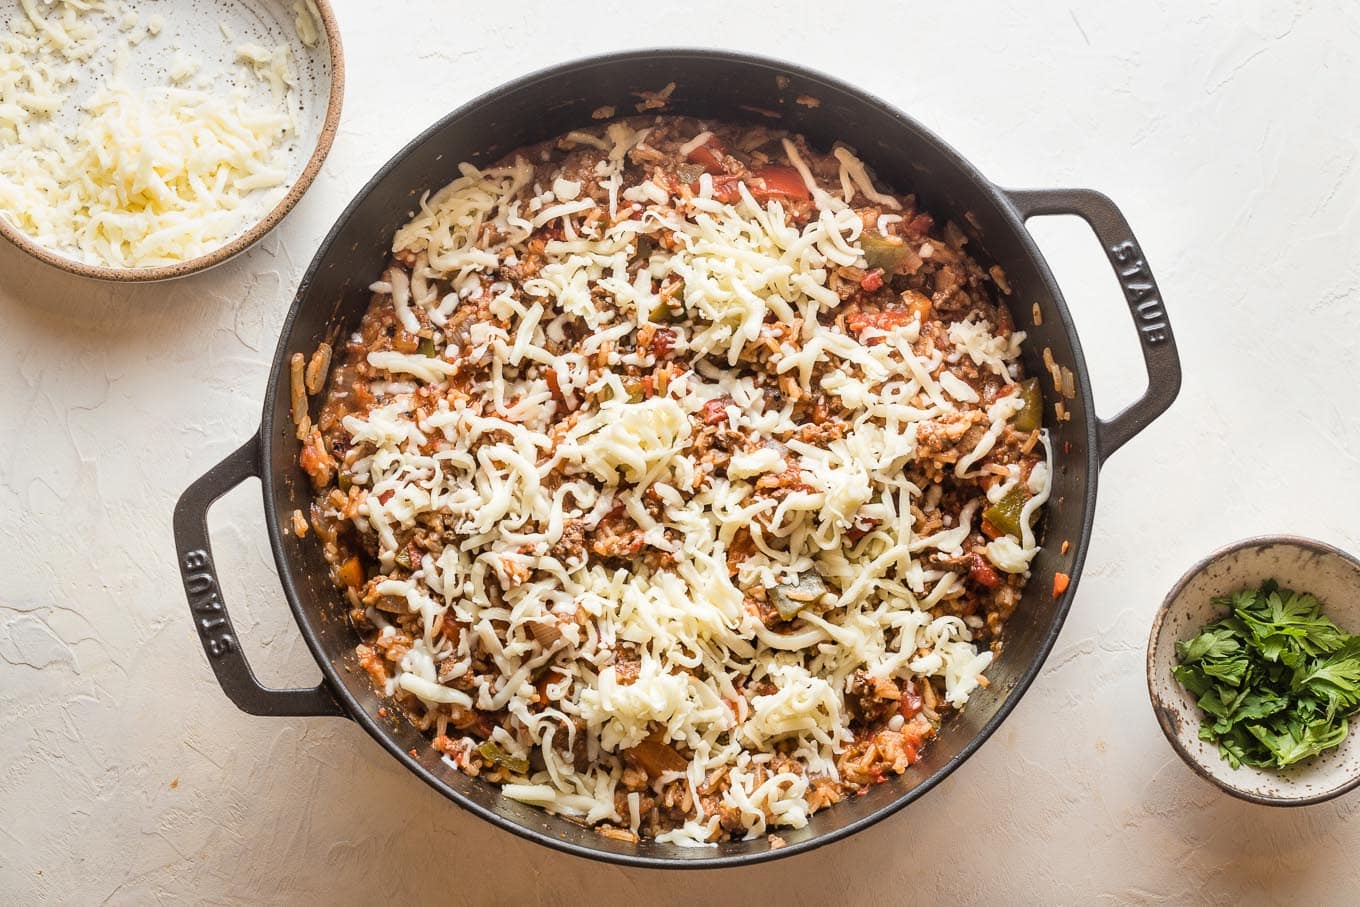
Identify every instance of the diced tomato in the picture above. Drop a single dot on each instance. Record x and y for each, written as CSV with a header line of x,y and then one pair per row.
x,y
715,411
885,320
872,281
663,341
910,703
316,461
312,459
983,573
763,184
386,496
1060,583
706,155
912,735
725,188
779,182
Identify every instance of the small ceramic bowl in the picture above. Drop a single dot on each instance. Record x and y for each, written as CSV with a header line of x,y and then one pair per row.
x,y
209,32
1296,563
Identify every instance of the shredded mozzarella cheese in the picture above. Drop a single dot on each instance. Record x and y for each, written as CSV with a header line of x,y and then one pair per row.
x,y
506,479
146,177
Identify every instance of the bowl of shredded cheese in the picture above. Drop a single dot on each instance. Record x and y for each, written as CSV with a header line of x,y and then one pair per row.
x,y
146,141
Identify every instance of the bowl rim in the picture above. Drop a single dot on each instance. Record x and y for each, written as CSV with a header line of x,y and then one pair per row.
x,y
257,231
1160,709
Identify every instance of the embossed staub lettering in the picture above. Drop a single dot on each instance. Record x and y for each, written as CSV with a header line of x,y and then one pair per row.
x,y
206,601
1140,291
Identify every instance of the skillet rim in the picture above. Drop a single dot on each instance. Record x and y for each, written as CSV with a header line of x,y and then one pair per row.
x,y
334,676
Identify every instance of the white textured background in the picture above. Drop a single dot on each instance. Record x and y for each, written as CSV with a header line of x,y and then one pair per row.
x,y
1230,137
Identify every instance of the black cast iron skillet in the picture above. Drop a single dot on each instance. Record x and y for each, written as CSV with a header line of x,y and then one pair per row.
x,y
333,296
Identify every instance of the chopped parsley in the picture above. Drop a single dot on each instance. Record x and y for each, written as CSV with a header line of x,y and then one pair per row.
x,y
1276,678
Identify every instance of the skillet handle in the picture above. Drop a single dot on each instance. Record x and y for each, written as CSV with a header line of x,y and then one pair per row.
x,y
1140,290
210,612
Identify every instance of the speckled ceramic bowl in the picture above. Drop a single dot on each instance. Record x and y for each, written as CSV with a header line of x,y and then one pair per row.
x,y
1296,563
208,32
